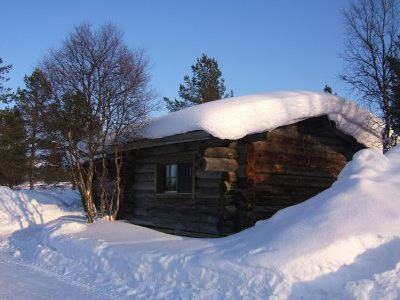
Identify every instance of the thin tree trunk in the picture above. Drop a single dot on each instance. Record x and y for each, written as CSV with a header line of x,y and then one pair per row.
x,y
32,160
102,179
85,183
73,184
118,165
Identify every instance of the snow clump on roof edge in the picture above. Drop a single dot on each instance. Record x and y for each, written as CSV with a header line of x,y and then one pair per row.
x,y
236,117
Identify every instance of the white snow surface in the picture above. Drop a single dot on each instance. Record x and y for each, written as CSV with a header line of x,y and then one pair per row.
x,y
341,244
236,117
23,208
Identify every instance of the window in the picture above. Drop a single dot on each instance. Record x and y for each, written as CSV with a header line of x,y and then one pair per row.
x,y
171,174
175,177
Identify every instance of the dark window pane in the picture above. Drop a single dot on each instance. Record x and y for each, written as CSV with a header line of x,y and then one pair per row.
x,y
185,178
171,173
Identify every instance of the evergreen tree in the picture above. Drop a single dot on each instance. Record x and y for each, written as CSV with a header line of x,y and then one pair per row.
x,y
206,84
32,102
12,148
328,89
4,91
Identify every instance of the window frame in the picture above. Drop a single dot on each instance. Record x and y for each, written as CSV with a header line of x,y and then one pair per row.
x,y
181,159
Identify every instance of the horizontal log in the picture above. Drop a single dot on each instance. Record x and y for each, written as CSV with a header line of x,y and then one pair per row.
x,y
327,139
306,159
292,180
179,216
177,157
214,193
168,149
208,174
173,224
143,196
220,164
208,203
199,204
292,171
280,200
208,183
148,206
327,170
138,194
317,151
175,219
143,177
142,186
143,167
183,211
221,152
286,190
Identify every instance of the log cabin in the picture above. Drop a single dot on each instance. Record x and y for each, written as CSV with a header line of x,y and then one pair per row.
x,y
217,168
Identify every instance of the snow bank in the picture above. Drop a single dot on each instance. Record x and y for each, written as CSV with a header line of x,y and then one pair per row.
x,y
236,117
20,209
342,243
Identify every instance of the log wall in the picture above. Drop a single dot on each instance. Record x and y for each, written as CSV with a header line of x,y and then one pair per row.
x,y
198,211
293,163
236,182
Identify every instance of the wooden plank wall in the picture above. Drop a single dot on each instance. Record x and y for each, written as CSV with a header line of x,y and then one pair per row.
x,y
198,212
276,169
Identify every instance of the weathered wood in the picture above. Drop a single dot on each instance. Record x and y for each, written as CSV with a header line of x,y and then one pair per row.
x,y
173,139
207,183
175,157
173,224
143,186
326,171
292,180
287,190
208,174
208,216
298,148
144,168
221,152
270,170
143,177
213,193
220,164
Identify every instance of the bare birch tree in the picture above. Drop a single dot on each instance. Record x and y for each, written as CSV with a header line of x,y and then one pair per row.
x,y
372,29
101,95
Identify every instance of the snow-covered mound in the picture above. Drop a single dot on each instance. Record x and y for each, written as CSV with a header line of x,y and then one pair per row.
x,y
62,191
343,243
236,117
20,209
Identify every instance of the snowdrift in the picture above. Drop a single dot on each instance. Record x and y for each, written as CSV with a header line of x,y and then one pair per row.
x,y
342,243
236,117
21,209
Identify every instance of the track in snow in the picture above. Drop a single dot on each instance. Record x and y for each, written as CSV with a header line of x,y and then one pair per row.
x,y
19,281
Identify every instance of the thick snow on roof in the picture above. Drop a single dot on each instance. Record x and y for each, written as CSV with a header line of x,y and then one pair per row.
x,y
236,117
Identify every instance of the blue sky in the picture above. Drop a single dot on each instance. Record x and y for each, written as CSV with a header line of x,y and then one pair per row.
x,y
260,45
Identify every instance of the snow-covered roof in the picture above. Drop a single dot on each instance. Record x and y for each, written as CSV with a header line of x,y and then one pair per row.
x,y
236,117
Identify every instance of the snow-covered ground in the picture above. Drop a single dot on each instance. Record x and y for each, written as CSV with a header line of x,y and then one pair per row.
x,y
19,280
341,244
23,208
